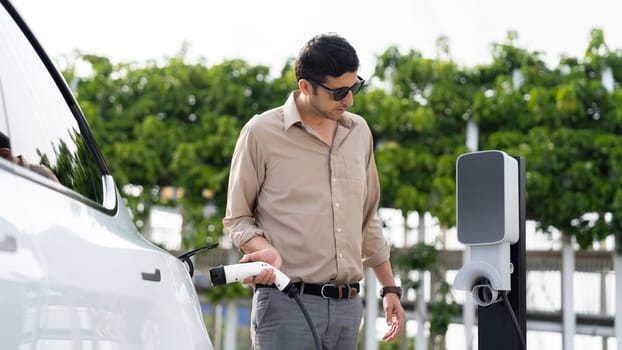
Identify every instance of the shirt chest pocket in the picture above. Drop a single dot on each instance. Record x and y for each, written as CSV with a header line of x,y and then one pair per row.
x,y
355,174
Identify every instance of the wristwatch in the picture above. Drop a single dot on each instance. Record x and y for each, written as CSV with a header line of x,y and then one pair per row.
x,y
393,289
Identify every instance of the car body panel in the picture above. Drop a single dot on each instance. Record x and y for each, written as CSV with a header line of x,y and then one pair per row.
x,y
75,273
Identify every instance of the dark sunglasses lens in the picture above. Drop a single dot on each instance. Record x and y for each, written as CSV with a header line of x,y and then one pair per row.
x,y
357,87
340,94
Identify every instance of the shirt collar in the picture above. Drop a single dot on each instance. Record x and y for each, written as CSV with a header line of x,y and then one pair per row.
x,y
292,115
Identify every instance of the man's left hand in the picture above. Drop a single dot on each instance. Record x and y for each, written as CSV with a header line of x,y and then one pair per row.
x,y
394,315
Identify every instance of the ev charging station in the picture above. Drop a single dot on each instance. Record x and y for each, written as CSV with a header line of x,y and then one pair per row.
x,y
490,220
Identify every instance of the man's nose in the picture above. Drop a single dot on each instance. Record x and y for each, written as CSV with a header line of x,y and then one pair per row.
x,y
348,100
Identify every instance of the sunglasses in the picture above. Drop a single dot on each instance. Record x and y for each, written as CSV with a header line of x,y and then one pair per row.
x,y
341,93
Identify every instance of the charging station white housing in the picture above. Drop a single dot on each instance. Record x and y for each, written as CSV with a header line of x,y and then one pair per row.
x,y
487,217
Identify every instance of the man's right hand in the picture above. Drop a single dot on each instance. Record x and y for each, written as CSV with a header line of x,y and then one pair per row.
x,y
260,250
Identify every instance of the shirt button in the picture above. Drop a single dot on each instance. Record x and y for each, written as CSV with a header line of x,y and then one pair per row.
x,y
340,255
334,179
337,204
339,230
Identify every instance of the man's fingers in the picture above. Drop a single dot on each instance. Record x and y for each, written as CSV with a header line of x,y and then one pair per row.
x,y
392,333
265,276
394,330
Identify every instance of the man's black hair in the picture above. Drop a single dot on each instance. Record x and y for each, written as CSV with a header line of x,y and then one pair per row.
x,y
326,55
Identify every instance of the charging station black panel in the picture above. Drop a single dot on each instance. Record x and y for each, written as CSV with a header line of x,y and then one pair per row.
x,y
480,211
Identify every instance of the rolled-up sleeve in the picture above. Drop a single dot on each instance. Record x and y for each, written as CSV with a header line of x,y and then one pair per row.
x,y
376,250
245,179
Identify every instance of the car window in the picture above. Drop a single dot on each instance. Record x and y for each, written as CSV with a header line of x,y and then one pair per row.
x,y
44,134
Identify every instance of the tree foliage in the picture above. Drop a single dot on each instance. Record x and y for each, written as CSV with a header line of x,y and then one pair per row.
x,y
565,121
174,125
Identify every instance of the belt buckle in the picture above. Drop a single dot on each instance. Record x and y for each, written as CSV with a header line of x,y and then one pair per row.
x,y
322,290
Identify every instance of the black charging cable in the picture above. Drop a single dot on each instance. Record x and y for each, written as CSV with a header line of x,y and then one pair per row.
x,y
290,290
506,302
186,257
293,292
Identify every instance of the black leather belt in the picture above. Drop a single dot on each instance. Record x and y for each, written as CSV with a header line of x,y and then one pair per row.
x,y
328,290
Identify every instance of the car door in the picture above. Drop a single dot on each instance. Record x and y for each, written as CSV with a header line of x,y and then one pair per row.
x,y
21,271
78,272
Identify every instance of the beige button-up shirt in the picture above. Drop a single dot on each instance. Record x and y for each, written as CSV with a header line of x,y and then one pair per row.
x,y
316,204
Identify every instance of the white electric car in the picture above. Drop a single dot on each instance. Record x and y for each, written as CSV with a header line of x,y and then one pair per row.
x,y
74,271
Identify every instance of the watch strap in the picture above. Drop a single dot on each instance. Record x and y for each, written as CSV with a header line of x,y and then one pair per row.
x,y
392,289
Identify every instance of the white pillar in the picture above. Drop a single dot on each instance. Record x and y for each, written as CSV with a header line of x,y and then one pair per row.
x,y
617,267
568,314
218,326
421,307
603,304
420,314
231,312
371,309
472,135
231,326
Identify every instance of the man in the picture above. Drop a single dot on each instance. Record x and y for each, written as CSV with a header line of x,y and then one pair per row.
x,y
303,196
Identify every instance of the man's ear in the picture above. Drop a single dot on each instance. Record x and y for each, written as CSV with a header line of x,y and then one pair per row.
x,y
305,86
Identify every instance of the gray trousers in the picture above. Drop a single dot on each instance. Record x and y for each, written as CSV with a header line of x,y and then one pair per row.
x,y
277,323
